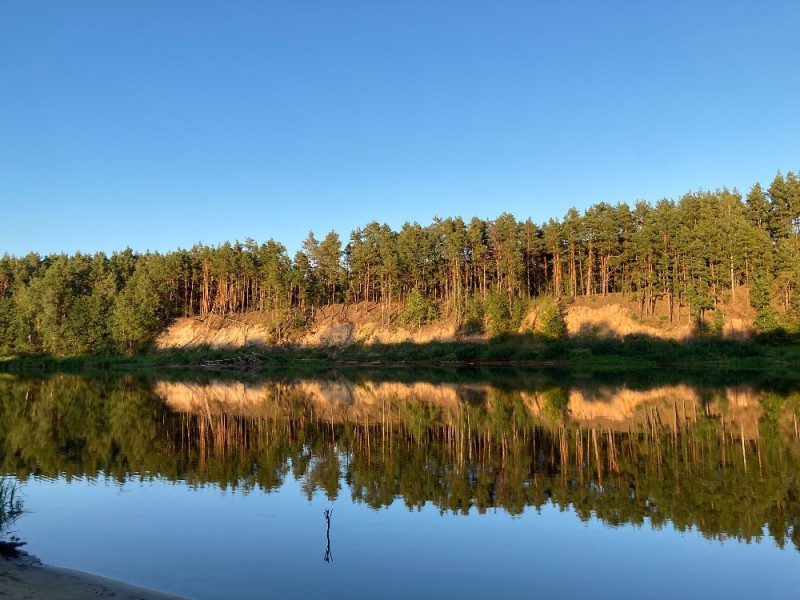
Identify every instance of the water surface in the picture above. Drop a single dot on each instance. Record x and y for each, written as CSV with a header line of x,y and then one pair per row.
x,y
452,484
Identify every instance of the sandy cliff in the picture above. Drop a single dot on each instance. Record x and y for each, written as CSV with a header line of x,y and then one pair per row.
x,y
372,323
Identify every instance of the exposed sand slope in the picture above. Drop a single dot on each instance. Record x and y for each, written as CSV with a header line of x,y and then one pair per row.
x,y
25,577
371,323
616,320
214,331
617,315
335,325
368,322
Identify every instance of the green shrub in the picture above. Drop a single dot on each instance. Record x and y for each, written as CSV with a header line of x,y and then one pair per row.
x,y
473,315
766,320
418,309
498,314
10,504
718,322
761,293
552,325
519,307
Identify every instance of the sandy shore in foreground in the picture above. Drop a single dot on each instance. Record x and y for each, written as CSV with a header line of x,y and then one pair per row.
x,y
26,577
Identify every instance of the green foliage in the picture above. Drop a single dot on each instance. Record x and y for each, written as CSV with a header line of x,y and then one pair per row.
x,y
519,308
761,293
552,325
689,254
498,314
7,325
135,320
418,310
718,322
473,315
10,503
767,321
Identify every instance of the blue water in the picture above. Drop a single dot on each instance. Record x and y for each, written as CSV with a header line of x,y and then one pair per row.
x,y
210,543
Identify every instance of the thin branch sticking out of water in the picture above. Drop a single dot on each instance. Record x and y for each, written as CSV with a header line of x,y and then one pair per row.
x,y
328,555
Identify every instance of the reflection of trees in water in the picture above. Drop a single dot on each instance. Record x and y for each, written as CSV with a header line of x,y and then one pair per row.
x,y
691,469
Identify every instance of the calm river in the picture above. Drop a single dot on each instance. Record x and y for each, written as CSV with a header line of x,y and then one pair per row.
x,y
447,484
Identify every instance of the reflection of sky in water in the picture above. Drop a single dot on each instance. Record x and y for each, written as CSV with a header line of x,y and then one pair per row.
x,y
206,543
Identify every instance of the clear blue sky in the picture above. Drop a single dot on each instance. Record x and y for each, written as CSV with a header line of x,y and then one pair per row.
x,y
158,124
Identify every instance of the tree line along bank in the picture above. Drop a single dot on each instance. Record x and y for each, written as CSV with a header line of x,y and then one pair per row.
x,y
693,254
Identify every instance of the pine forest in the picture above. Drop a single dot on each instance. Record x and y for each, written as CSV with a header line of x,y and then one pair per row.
x,y
690,254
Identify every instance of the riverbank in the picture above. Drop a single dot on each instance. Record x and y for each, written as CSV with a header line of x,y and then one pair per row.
x,y
633,351
26,577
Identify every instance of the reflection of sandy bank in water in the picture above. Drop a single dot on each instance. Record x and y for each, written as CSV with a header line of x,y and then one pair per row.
x,y
235,397
669,406
337,399
618,408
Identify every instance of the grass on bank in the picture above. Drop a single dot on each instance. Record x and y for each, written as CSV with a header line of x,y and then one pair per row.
x,y
10,510
619,352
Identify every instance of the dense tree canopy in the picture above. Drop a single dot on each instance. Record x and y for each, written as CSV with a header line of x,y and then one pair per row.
x,y
692,253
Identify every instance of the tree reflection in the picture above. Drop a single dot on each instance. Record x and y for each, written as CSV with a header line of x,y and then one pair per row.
x,y
728,474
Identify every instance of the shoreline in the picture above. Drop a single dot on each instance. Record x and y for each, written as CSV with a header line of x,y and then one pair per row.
x,y
616,353
25,576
